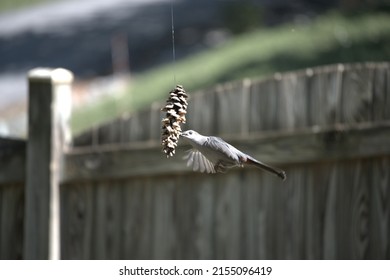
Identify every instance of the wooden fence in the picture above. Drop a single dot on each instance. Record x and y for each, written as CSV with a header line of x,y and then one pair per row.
x,y
120,198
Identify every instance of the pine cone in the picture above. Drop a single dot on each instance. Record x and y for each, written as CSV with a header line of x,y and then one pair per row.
x,y
176,108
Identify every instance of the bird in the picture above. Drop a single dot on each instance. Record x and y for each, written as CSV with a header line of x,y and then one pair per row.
x,y
212,154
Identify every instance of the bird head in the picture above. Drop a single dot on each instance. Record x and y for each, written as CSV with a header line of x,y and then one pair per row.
x,y
193,136
189,134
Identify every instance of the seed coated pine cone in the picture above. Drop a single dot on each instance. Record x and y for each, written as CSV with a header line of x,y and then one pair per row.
x,y
176,109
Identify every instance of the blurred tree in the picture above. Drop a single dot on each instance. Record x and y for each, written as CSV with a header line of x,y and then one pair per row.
x,y
242,16
353,7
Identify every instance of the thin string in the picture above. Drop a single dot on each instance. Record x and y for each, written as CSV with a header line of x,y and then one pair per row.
x,y
173,46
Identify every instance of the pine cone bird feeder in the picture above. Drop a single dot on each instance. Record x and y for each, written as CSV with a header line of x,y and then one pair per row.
x,y
176,109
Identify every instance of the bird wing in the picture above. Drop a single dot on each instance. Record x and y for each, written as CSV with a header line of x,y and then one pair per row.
x,y
198,161
223,148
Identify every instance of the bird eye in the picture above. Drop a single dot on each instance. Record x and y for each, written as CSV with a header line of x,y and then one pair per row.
x,y
190,132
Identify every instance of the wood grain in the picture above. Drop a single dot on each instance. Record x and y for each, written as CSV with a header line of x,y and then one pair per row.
x,y
341,142
11,221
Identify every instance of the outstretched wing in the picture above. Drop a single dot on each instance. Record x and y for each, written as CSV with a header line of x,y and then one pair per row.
x,y
198,161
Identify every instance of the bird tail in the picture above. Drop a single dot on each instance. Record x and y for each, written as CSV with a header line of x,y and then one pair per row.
x,y
278,172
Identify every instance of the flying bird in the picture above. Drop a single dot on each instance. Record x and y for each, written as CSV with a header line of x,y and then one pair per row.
x,y
212,154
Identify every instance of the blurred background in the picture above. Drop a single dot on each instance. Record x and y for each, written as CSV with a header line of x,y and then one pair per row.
x,y
302,85
113,47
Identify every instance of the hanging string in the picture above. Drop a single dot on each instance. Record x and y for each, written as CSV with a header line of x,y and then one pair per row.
x,y
173,46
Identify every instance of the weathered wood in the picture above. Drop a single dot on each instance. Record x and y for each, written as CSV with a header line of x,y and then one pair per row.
x,y
332,206
12,160
127,201
164,233
379,197
184,209
11,221
244,214
227,217
199,115
330,215
46,139
250,217
138,233
334,156
203,229
232,108
342,142
317,179
294,217
320,96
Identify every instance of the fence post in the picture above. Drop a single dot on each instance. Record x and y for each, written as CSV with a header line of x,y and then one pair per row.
x,y
48,113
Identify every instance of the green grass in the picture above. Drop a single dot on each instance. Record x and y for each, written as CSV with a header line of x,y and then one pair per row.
x,y
330,39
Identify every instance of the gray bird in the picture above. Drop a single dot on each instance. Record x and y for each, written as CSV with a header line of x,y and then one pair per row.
x,y
212,154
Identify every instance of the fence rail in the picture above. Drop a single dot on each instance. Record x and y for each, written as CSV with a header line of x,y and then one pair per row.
x,y
341,142
120,198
